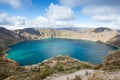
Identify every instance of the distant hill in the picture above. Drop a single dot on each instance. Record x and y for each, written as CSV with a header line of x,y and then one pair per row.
x,y
118,30
7,37
28,30
101,29
71,28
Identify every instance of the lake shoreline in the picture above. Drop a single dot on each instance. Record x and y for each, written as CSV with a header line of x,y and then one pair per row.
x,y
59,38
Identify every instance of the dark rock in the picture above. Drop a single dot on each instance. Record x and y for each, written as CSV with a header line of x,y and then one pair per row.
x,y
101,29
115,40
30,31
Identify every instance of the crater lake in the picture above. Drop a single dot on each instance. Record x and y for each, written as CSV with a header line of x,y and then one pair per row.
x,y
36,51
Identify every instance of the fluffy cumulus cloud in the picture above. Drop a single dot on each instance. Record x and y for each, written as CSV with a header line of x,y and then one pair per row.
x,y
12,22
102,13
15,20
3,19
45,22
60,13
55,16
16,3
39,21
100,10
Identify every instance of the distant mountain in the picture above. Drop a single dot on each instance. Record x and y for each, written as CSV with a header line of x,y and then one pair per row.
x,y
101,29
71,28
7,32
118,31
29,31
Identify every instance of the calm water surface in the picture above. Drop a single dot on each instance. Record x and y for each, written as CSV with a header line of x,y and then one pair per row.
x,y
32,52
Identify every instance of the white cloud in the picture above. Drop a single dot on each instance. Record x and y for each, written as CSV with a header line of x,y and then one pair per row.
x,y
101,10
55,16
102,13
45,22
3,19
60,13
17,20
14,22
16,4
39,22
98,10
105,18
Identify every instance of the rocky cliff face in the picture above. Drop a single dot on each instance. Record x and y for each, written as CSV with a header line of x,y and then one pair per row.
x,y
111,62
115,40
7,37
7,67
105,35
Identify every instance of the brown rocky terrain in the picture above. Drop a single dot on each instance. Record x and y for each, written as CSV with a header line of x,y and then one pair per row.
x,y
12,68
115,40
7,38
8,68
55,65
112,61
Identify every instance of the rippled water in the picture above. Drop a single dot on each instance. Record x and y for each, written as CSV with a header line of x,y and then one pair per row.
x,y
32,52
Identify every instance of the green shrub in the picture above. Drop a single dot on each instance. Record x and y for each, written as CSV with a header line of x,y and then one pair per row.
x,y
46,71
59,67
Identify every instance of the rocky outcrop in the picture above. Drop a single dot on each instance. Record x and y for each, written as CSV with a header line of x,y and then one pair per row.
x,y
112,61
8,68
101,29
7,37
115,41
7,32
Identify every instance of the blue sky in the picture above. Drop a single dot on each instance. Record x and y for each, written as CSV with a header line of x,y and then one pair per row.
x,y
15,14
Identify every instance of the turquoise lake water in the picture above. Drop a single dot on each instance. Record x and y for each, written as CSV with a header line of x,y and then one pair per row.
x,y
32,52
